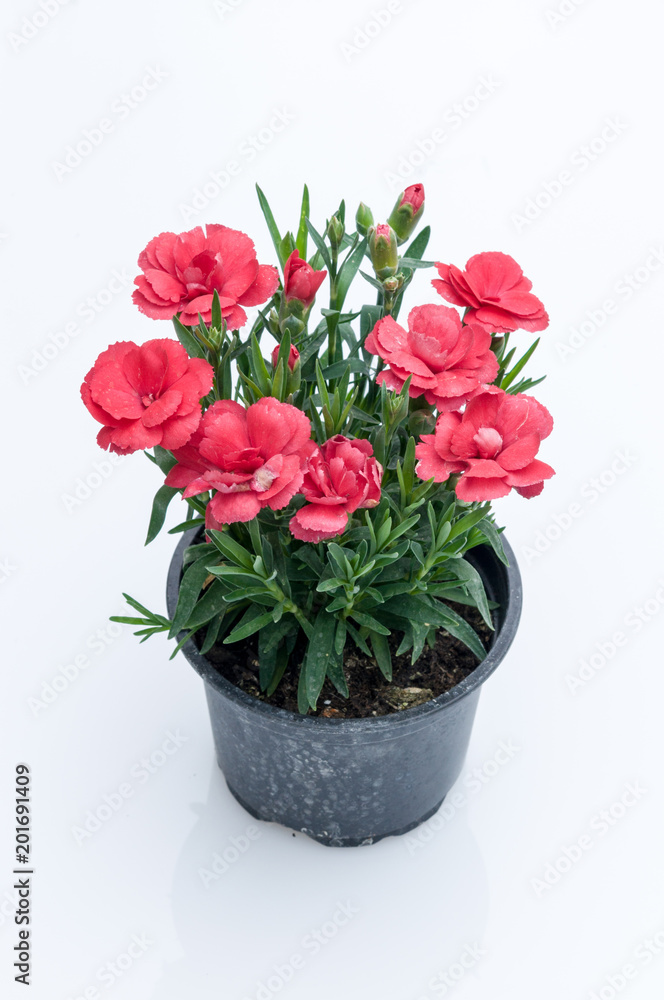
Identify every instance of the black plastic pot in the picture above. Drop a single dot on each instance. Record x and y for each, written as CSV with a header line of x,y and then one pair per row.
x,y
347,782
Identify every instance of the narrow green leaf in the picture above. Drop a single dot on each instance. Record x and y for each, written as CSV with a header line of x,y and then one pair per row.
x,y
232,549
416,249
252,620
369,622
162,498
381,649
190,587
320,654
271,224
519,366
188,341
210,606
301,240
321,246
348,270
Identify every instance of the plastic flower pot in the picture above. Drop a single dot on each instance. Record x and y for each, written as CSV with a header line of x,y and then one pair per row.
x,y
349,782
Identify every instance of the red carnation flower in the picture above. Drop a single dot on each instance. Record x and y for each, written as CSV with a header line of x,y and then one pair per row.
x,y
293,357
301,282
493,445
146,396
493,287
181,273
340,477
448,362
253,458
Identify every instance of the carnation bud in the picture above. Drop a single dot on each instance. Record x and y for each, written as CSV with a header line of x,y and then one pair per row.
x,y
391,284
273,322
421,422
407,212
383,250
292,325
335,231
364,219
293,357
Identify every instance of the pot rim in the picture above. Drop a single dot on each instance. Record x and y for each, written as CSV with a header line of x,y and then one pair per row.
x,y
271,714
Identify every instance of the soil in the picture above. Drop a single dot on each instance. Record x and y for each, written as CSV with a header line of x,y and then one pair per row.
x,y
436,671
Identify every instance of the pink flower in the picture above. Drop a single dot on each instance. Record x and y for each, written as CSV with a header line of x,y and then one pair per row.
x,y
253,458
493,445
413,196
448,362
301,282
293,357
340,477
493,287
146,396
180,274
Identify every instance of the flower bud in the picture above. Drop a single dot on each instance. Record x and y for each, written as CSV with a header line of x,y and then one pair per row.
x,y
293,357
407,212
391,284
335,231
383,250
292,325
364,219
421,422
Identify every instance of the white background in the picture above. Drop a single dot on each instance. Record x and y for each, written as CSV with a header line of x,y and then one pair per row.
x,y
357,113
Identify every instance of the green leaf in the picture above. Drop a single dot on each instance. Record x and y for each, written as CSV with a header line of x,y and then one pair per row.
x,y
188,341
271,224
164,459
193,522
474,585
414,263
493,537
252,620
519,366
321,246
434,614
232,549
466,522
301,240
356,365
357,639
320,653
162,498
381,649
216,319
349,269
419,244
369,622
212,633
210,605
312,345
190,587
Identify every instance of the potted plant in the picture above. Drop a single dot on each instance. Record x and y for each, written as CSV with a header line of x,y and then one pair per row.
x,y
341,584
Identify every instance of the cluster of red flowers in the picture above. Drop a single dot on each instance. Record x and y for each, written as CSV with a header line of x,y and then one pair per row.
x,y
263,455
